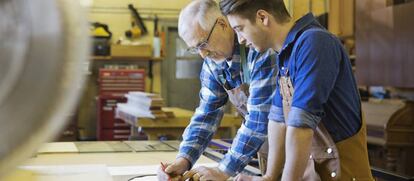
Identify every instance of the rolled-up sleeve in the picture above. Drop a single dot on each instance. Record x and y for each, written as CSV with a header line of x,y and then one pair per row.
x,y
276,111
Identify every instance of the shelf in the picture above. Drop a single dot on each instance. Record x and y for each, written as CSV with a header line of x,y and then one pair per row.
x,y
125,58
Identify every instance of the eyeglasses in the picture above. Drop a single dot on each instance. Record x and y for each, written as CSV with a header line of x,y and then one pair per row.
x,y
203,44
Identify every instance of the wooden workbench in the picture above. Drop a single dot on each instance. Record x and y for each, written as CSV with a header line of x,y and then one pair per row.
x,y
65,161
172,128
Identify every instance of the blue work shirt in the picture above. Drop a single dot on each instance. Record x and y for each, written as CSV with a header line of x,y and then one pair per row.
x,y
324,85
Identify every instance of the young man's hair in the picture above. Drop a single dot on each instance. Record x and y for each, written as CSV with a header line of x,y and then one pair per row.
x,y
248,8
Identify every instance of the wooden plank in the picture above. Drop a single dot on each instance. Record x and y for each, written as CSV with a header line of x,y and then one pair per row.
x,y
102,146
149,146
89,166
58,147
173,143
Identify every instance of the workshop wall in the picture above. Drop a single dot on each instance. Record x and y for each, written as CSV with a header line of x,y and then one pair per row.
x,y
118,17
298,8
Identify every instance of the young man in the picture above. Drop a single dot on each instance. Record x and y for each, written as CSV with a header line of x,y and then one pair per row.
x,y
226,75
316,131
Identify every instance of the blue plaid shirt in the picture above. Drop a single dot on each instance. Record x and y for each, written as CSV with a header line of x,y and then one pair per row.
x,y
213,97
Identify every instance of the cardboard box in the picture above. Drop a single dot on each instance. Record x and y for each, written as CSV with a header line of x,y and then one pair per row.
x,y
131,50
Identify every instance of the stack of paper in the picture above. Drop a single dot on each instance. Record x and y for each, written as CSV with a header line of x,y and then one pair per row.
x,y
145,99
142,105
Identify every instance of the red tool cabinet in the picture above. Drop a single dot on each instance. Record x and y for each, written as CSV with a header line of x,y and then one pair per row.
x,y
113,85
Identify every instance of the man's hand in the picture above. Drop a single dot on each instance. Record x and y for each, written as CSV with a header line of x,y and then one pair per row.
x,y
210,173
243,177
173,170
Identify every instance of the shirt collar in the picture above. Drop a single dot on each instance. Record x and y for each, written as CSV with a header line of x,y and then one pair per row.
x,y
300,25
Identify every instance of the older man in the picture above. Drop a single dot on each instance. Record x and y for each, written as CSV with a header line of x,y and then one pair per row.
x,y
226,75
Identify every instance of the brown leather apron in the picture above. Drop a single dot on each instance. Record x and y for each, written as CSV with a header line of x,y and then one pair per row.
x,y
344,160
238,97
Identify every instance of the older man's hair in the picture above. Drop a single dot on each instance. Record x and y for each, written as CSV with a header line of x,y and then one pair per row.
x,y
201,12
248,8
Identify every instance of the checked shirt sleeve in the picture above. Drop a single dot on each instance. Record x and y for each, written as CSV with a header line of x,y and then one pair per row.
x,y
206,118
253,131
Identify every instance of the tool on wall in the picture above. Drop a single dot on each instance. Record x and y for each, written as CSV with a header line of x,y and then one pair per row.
x,y
138,27
157,39
101,39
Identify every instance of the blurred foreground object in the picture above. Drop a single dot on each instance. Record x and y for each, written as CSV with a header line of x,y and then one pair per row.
x,y
44,50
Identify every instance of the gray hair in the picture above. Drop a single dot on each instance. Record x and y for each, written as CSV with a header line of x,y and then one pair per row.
x,y
201,12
